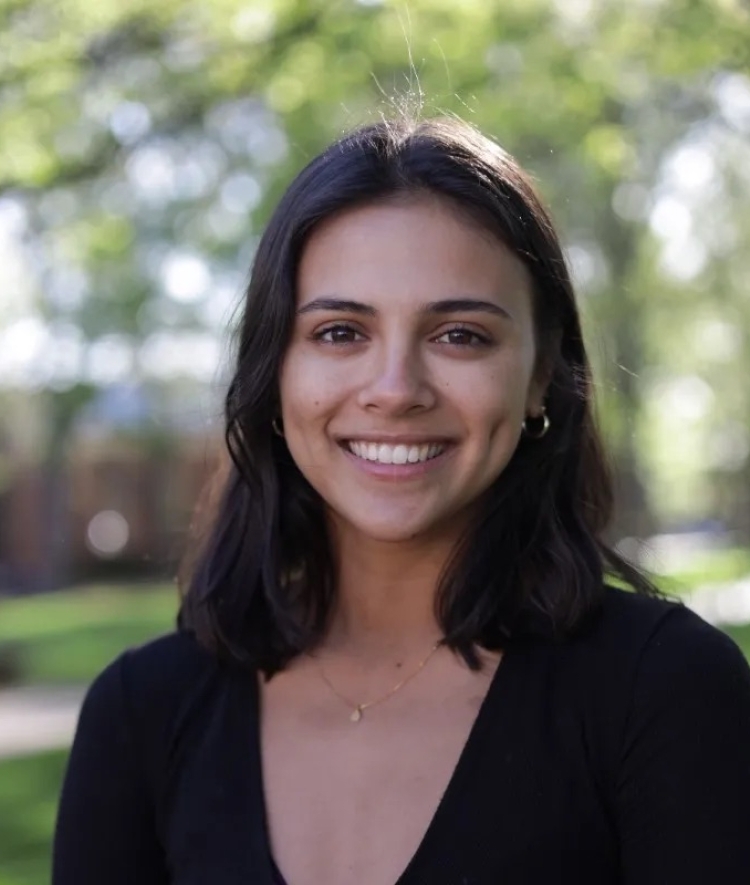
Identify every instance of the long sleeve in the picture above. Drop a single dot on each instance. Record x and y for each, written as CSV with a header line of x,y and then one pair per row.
x,y
683,798
105,828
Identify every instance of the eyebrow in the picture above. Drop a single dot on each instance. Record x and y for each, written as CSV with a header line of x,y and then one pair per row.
x,y
339,304
466,305
447,305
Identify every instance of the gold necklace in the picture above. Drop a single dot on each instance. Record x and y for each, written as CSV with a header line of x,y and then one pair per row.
x,y
359,709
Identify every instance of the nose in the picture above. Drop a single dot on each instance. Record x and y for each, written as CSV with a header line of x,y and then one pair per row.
x,y
397,383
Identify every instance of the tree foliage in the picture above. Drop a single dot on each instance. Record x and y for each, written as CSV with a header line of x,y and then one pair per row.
x,y
146,142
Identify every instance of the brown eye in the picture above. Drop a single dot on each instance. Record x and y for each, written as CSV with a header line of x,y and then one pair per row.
x,y
462,337
338,334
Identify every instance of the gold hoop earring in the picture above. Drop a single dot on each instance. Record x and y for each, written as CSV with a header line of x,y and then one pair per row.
x,y
536,432
277,428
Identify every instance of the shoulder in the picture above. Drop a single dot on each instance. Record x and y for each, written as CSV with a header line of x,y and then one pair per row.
x,y
639,650
662,635
160,664
682,752
628,620
153,682
149,704
647,659
687,662
168,662
614,636
648,680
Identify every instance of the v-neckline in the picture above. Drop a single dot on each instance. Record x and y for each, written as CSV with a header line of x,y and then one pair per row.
x,y
467,759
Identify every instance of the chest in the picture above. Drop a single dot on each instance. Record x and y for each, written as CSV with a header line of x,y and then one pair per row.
x,y
337,793
511,796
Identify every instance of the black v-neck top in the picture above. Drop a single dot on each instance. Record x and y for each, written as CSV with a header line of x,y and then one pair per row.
x,y
619,758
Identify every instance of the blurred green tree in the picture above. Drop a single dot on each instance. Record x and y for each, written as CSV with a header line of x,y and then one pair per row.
x,y
144,144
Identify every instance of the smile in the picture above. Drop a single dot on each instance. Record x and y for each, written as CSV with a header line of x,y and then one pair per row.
x,y
385,453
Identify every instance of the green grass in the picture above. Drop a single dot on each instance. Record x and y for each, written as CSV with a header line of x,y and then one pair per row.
x,y
29,788
70,636
63,638
741,635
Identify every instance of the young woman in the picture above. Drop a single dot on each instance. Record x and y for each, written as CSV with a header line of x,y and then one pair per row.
x,y
398,659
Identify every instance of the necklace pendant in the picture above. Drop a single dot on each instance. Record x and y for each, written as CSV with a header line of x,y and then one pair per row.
x,y
356,714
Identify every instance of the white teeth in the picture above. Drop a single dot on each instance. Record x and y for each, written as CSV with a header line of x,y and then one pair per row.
x,y
385,454
399,454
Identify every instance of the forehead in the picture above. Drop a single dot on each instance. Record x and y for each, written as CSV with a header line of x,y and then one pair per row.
x,y
408,251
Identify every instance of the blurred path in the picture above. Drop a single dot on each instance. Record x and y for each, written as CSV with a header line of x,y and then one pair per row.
x,y
44,718
37,718
722,603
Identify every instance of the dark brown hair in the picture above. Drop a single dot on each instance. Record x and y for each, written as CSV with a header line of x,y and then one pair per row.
x,y
534,562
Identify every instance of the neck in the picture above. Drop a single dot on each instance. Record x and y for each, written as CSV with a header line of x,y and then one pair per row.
x,y
385,601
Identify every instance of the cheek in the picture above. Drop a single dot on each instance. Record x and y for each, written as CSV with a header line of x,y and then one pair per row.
x,y
309,397
302,387
498,401
503,432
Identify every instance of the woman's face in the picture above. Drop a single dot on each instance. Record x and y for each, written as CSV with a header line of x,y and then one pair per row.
x,y
410,369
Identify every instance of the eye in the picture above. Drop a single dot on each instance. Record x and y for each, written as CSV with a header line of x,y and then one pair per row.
x,y
461,336
340,333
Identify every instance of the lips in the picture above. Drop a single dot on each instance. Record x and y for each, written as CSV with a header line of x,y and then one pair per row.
x,y
395,453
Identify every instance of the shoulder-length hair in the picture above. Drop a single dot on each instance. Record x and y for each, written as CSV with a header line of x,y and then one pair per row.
x,y
260,588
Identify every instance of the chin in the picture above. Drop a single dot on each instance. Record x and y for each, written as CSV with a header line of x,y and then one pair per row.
x,y
392,530
393,535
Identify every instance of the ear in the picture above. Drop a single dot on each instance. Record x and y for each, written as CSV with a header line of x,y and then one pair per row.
x,y
535,397
543,371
